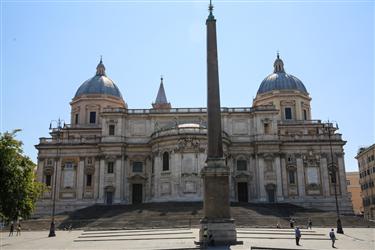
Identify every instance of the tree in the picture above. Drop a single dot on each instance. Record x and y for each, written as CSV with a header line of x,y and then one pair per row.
x,y
18,188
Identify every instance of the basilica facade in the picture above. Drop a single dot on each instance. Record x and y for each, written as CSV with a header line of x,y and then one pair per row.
x,y
110,154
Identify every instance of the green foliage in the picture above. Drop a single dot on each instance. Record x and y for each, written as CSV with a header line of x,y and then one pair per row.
x,y
18,187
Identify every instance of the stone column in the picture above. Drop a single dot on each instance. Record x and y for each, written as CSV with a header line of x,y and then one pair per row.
x,y
301,178
101,181
146,185
80,178
325,177
342,176
284,175
279,188
117,196
262,188
58,177
126,180
96,179
40,170
256,178
122,178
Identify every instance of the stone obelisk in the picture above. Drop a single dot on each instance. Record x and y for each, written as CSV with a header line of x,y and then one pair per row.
x,y
216,205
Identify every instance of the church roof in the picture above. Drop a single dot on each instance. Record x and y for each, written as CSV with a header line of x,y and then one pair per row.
x,y
279,80
99,84
161,99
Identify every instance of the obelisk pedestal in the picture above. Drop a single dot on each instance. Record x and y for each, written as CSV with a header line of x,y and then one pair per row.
x,y
216,207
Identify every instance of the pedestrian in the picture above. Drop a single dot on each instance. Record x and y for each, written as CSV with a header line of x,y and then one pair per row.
x,y
309,224
18,229
11,229
205,237
291,223
333,237
297,233
211,240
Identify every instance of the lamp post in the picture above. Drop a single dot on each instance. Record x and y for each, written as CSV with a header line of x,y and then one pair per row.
x,y
57,130
332,171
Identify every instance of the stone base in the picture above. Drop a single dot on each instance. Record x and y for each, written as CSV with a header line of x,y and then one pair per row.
x,y
222,231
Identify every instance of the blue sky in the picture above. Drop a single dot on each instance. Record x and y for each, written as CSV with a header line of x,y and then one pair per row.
x,y
48,48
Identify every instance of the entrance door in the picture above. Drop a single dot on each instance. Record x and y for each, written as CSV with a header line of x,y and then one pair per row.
x,y
109,196
242,192
137,194
271,195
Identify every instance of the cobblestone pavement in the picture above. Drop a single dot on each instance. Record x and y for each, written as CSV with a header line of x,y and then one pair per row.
x,y
317,238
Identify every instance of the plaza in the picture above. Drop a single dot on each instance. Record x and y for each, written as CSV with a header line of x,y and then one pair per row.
x,y
183,238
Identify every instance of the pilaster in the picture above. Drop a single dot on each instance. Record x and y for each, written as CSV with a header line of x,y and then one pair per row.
x,y
101,181
279,189
325,178
40,170
117,195
58,179
262,188
284,178
96,179
80,178
301,178
342,176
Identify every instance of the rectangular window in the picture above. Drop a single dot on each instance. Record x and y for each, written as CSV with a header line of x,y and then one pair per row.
x,y
92,117
48,180
69,165
288,113
333,178
292,179
111,129
266,128
137,167
110,167
166,161
348,182
76,119
153,166
305,114
88,180
241,165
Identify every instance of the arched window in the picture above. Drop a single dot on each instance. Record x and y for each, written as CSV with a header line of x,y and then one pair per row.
x,y
165,161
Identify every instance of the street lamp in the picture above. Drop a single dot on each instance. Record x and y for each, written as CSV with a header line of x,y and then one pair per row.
x,y
332,171
57,130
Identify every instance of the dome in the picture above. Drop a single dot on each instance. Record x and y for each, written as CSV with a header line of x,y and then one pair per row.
x,y
279,80
99,84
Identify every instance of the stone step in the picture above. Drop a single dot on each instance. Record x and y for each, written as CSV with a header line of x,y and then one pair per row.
x,y
188,214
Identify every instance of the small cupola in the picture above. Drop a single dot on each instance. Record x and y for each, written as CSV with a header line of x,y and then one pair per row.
x,y
100,69
278,65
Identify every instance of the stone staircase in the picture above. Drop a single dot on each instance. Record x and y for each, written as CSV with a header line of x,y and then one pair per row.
x,y
188,215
